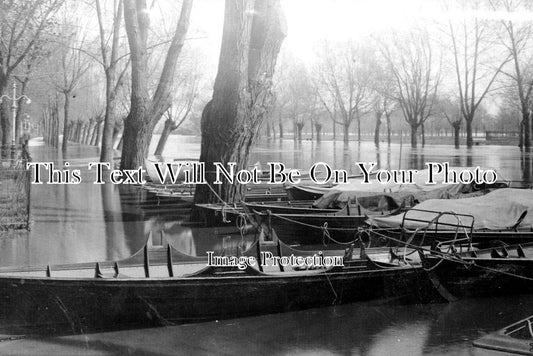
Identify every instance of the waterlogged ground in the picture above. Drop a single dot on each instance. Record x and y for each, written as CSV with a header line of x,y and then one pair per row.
x,y
87,222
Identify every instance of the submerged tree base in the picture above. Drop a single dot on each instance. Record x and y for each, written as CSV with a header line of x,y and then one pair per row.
x,y
242,95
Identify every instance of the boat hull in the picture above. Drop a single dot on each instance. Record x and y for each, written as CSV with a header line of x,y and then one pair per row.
x,y
52,305
480,277
313,229
484,238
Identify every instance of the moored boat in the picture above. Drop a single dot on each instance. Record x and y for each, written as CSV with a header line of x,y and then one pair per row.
x,y
503,215
313,229
291,207
516,338
481,273
154,288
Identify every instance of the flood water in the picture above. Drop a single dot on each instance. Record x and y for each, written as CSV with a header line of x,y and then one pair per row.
x,y
89,222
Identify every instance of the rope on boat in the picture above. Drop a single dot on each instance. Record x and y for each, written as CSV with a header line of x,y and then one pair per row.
x,y
452,258
332,288
324,228
225,206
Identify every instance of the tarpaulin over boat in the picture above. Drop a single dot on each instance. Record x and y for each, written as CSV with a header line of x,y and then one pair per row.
x,y
390,196
498,210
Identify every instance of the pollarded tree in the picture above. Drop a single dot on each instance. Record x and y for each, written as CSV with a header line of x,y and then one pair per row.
x,y
146,109
242,95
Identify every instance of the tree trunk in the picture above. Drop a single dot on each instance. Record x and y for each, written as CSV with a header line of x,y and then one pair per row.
x,y
469,139
358,128
66,108
521,135
145,111
93,141
346,133
20,111
387,115
116,132
106,154
242,95
82,133
299,129
280,125
120,143
456,133
423,135
169,124
318,130
99,129
91,135
268,133
414,141
376,130
334,131
136,124
527,129
7,128
5,121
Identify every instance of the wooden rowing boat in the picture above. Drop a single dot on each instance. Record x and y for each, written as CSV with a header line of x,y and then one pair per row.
x,y
306,192
291,207
483,273
221,214
154,287
310,228
516,338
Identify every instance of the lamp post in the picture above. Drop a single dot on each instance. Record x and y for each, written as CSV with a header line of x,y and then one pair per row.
x,y
14,107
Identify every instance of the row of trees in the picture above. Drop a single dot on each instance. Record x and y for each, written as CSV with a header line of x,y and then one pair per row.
x,y
443,70
48,48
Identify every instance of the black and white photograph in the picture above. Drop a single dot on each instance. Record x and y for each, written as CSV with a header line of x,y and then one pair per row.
x,y
266,177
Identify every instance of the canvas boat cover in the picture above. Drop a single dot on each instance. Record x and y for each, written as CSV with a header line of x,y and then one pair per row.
x,y
381,197
498,210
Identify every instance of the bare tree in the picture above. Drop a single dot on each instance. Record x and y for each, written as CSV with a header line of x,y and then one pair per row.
x,y
451,110
146,109
416,75
345,77
300,98
383,102
114,72
22,23
242,97
475,74
517,42
73,65
34,58
383,106
179,111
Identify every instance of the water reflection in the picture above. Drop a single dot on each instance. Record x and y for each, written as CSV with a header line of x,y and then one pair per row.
x,y
360,329
88,222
